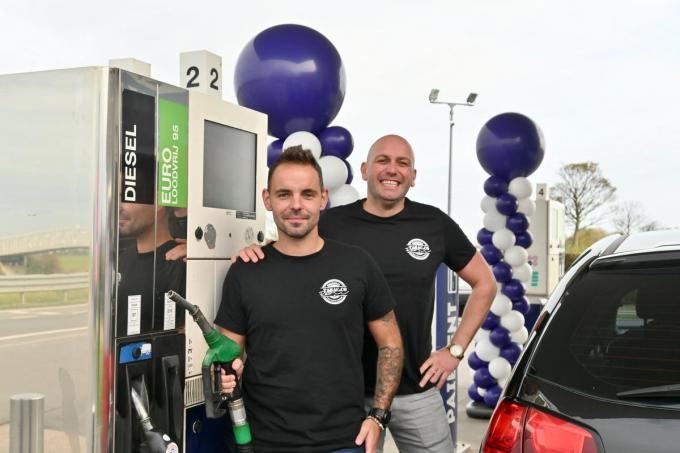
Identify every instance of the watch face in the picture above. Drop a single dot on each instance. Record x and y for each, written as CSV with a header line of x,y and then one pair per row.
x,y
457,351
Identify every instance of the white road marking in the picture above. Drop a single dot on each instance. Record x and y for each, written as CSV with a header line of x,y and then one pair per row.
x,y
36,334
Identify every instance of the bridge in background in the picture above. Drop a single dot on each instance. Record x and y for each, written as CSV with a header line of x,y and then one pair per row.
x,y
24,244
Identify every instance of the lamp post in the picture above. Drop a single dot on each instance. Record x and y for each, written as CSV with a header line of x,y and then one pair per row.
x,y
448,304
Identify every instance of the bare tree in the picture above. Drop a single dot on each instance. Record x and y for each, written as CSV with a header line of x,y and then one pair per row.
x,y
584,192
629,217
652,226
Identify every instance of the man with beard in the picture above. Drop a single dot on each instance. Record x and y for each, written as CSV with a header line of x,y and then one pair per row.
x,y
301,317
409,241
146,273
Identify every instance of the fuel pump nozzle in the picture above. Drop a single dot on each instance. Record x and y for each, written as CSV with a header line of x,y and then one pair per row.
x,y
221,353
154,440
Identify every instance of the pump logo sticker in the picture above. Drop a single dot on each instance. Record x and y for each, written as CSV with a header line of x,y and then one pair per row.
x,y
334,291
418,249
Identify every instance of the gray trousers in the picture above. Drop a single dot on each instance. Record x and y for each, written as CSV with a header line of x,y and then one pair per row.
x,y
418,424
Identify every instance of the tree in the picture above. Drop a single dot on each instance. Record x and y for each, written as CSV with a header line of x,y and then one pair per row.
x,y
629,217
584,192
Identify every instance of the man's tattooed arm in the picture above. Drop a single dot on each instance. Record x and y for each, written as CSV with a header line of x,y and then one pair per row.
x,y
390,359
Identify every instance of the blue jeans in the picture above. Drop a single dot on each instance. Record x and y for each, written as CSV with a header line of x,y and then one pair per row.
x,y
350,450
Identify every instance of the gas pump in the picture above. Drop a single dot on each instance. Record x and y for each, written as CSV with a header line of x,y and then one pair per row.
x,y
111,166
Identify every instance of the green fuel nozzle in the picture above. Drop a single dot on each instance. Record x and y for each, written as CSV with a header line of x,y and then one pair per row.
x,y
221,353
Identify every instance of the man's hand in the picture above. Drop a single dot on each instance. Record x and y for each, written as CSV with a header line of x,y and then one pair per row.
x,y
438,367
369,434
252,252
228,381
178,251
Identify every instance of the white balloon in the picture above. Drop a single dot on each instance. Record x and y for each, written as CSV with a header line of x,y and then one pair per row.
x,y
503,382
493,220
334,172
499,368
522,273
501,305
486,350
503,239
526,206
515,255
481,391
488,203
520,187
482,334
521,336
344,194
513,321
305,139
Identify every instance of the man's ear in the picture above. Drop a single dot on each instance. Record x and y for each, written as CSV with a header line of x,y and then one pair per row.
x,y
363,171
265,198
415,172
324,198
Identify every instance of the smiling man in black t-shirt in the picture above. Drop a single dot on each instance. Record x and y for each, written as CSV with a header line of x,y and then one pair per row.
x,y
301,317
409,241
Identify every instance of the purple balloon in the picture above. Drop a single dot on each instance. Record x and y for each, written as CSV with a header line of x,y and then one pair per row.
x,y
484,236
482,378
502,271
350,172
506,204
475,362
274,150
511,352
500,336
494,186
521,305
491,254
473,394
524,239
517,223
492,395
514,289
510,145
491,321
336,141
295,75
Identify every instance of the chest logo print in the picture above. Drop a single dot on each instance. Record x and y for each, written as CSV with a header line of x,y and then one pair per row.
x,y
418,249
334,291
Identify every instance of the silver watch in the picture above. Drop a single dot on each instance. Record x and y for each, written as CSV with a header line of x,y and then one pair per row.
x,y
457,351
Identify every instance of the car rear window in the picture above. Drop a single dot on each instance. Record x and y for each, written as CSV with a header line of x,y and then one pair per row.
x,y
617,329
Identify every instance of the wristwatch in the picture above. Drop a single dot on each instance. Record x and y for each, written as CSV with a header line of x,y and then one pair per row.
x,y
457,351
381,416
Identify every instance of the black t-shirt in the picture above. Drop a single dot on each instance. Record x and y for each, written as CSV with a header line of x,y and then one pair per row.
x,y
409,247
304,320
148,276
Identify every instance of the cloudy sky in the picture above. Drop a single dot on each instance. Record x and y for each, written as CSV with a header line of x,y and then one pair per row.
x,y
599,78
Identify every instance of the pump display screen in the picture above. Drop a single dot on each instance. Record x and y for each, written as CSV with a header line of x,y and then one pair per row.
x,y
229,167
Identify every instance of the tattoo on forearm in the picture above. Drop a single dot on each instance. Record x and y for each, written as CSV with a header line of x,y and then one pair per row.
x,y
390,362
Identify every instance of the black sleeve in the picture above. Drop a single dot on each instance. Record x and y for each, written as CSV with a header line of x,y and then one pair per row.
x,y
232,314
459,250
379,300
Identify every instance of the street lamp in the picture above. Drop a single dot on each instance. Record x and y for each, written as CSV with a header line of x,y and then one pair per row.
x,y
451,279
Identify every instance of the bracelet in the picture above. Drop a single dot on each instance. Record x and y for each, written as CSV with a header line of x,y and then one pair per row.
x,y
376,421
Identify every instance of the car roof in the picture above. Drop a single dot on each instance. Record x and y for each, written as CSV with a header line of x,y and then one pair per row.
x,y
649,241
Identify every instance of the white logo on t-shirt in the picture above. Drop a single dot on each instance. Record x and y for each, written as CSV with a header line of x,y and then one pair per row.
x,y
418,249
334,291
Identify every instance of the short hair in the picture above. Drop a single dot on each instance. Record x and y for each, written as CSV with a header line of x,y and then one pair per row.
x,y
295,155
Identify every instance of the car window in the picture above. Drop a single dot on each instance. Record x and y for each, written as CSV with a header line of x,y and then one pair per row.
x,y
615,330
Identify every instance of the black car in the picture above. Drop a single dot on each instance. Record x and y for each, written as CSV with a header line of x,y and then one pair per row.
x,y
601,370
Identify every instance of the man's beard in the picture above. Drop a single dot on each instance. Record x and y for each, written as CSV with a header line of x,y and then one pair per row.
x,y
296,233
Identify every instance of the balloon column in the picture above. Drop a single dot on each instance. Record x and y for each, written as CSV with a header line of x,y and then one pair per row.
x,y
295,75
510,147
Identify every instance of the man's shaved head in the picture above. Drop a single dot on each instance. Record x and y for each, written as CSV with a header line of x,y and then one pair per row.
x,y
387,141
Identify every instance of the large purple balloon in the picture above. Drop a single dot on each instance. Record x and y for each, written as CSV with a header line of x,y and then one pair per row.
x,y
295,75
521,305
472,393
491,396
502,271
510,145
524,239
336,141
491,254
491,321
517,223
514,289
500,336
274,150
506,204
484,236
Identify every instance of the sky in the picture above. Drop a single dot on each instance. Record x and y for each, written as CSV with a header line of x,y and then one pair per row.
x,y
599,78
